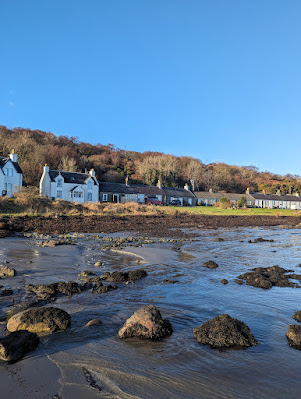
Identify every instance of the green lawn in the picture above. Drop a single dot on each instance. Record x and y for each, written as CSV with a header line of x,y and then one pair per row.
x,y
211,210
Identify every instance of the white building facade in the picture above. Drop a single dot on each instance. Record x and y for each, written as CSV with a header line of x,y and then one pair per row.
x,y
10,175
69,186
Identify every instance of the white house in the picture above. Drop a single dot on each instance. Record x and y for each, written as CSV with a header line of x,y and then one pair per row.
x,y
10,175
69,186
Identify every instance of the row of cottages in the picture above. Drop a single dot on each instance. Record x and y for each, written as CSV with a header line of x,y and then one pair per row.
x,y
10,175
69,186
122,193
258,200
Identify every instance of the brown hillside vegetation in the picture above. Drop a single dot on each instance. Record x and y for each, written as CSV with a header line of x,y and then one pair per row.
x,y
35,148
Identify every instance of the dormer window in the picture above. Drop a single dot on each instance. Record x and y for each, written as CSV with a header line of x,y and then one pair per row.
x,y
60,182
8,171
90,184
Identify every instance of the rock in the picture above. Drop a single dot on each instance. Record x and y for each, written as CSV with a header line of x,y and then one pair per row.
x,y
6,291
224,331
167,281
98,264
268,277
68,288
219,239
94,322
136,274
6,271
210,264
297,316
237,281
146,322
86,274
259,239
99,288
39,320
293,335
120,277
224,281
15,345
53,243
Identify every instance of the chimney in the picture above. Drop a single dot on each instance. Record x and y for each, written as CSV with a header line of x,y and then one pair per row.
x,y
159,184
92,173
248,190
127,181
297,194
13,156
46,168
278,192
186,187
192,184
210,190
264,192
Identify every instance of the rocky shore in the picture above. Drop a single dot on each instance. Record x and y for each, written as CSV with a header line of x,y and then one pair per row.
x,y
155,226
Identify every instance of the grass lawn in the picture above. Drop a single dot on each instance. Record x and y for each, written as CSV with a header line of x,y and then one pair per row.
x,y
211,210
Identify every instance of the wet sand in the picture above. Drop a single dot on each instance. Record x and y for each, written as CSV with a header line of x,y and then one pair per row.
x,y
176,367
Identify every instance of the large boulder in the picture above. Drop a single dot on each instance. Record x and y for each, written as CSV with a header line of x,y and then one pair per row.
x,y
15,345
146,322
6,271
267,277
40,320
223,331
293,335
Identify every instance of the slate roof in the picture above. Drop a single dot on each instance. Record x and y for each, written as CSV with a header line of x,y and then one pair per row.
x,y
218,196
71,177
120,188
3,161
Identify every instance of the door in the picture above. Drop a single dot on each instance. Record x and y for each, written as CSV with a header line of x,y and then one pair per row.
x,y
115,198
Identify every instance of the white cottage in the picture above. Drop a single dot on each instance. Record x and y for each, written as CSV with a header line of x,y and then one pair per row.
x,y
10,175
69,186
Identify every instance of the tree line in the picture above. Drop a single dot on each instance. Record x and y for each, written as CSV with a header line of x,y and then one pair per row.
x,y
35,148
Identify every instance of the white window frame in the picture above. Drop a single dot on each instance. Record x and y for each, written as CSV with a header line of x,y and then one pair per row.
x,y
104,197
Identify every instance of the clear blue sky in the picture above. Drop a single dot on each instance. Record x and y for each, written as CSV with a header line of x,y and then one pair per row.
x,y
219,80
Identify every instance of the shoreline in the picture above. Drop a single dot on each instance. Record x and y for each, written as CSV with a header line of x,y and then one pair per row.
x,y
151,225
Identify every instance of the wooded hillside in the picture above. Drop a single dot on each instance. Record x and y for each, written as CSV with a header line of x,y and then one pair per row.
x,y
35,148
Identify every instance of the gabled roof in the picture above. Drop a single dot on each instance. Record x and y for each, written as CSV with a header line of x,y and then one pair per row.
x,y
218,196
4,160
71,177
121,188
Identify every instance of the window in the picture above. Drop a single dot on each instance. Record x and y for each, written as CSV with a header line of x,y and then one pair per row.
x,y
89,196
105,197
90,184
60,182
59,194
78,194
8,171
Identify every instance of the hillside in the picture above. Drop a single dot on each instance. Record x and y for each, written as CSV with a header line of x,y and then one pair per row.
x,y
35,148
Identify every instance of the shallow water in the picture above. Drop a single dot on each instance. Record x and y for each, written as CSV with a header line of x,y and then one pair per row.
x,y
176,367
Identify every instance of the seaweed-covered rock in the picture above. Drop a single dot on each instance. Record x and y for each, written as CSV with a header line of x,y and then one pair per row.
x,y
259,239
6,271
120,277
297,316
99,288
15,345
293,335
6,291
223,331
210,264
219,239
53,243
55,289
136,274
39,320
224,281
146,322
267,277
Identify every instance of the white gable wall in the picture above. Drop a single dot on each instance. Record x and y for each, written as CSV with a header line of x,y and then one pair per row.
x,y
10,179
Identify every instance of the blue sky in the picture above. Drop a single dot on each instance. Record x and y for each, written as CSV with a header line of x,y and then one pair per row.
x,y
219,80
